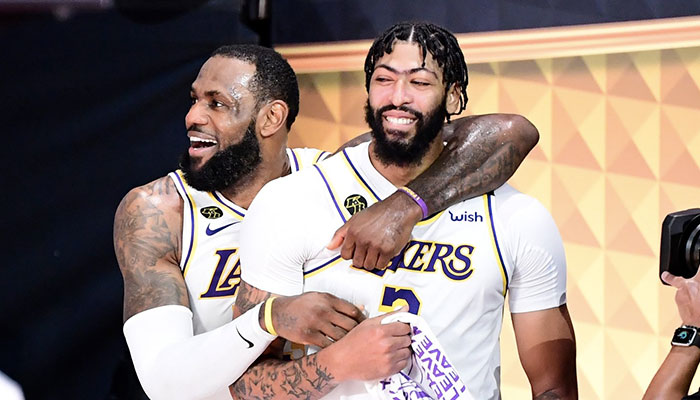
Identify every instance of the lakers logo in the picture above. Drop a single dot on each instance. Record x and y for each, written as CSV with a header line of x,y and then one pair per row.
x,y
355,203
212,212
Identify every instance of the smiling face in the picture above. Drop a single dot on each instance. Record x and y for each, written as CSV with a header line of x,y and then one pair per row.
x,y
406,106
221,125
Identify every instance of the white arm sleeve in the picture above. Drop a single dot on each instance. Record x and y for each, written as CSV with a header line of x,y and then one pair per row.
x,y
172,363
535,248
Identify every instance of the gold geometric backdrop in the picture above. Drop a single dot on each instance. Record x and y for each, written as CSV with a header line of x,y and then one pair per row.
x,y
619,149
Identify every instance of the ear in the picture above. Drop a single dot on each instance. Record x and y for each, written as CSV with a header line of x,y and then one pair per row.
x,y
452,100
272,117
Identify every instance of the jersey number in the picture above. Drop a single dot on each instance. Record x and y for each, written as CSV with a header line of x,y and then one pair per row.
x,y
397,296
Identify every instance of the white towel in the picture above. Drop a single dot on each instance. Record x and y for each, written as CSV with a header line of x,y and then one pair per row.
x,y
429,375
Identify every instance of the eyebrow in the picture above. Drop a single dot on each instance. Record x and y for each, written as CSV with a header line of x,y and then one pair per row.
x,y
210,93
410,71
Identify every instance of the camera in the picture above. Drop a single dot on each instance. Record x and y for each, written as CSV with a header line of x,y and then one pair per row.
x,y
680,243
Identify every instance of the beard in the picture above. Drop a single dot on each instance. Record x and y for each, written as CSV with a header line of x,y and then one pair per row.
x,y
399,153
227,167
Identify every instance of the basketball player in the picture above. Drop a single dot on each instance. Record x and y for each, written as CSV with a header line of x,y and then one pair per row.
x,y
455,271
177,238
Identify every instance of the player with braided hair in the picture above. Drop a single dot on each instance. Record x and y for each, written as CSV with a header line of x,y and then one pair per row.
x,y
456,272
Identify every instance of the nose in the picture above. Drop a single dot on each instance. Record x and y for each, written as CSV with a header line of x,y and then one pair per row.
x,y
400,94
195,116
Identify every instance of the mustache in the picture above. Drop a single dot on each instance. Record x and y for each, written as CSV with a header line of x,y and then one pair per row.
x,y
390,107
196,128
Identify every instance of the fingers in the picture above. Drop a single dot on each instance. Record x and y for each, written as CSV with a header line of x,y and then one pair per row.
x,y
319,340
338,238
383,261
399,329
348,309
675,281
371,259
358,259
348,249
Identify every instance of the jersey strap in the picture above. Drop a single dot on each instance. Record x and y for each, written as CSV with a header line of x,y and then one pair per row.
x,y
189,222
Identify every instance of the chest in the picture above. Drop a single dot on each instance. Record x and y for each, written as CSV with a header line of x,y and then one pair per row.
x,y
452,262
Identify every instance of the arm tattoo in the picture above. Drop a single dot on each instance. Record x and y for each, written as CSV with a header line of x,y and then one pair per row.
x,y
271,379
479,157
249,296
145,242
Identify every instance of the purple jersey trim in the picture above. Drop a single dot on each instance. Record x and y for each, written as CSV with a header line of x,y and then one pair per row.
x,y
216,196
495,239
187,197
322,265
296,162
360,176
330,192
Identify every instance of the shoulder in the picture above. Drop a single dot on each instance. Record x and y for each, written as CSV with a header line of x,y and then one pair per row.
x,y
159,194
511,204
291,193
304,157
150,216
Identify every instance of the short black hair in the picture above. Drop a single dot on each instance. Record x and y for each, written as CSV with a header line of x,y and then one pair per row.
x,y
274,78
441,44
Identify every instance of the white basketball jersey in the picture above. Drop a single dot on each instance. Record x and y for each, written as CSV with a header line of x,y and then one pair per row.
x,y
451,274
454,272
210,242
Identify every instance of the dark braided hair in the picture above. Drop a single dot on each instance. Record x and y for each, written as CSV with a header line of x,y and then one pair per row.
x,y
441,44
274,78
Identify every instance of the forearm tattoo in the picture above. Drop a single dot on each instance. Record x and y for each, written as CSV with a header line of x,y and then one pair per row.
x,y
142,237
468,168
276,379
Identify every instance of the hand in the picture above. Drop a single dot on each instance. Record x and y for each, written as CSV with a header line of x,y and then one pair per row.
x,y
687,296
314,318
371,351
372,237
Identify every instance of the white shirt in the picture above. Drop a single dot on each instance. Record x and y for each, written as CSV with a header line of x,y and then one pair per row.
x,y
454,273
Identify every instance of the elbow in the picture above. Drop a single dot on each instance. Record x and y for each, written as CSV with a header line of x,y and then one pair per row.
x,y
523,133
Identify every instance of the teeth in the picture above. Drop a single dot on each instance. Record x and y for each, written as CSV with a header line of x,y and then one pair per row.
x,y
399,121
200,140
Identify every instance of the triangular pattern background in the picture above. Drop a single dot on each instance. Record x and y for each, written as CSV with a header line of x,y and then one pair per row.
x,y
619,149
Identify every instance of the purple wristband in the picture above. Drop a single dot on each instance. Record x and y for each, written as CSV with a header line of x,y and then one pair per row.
x,y
416,198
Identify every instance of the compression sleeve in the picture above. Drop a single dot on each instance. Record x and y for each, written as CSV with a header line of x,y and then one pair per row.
x,y
172,363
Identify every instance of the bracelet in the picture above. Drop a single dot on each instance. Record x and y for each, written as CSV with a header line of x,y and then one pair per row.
x,y
268,316
416,198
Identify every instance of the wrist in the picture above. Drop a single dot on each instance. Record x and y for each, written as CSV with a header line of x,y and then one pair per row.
x,y
329,359
265,316
407,203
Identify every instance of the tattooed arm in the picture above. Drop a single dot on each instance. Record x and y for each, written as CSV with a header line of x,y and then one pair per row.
x,y
158,321
482,152
369,351
147,235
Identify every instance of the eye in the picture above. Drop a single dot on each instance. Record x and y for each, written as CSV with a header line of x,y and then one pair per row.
x,y
216,104
193,100
382,79
421,83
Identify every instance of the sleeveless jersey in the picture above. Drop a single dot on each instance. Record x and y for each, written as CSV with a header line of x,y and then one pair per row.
x,y
454,272
210,246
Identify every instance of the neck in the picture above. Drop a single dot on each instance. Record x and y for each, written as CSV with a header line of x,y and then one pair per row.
x,y
273,166
400,176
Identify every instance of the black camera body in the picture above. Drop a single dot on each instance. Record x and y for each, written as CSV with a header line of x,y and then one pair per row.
x,y
680,243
